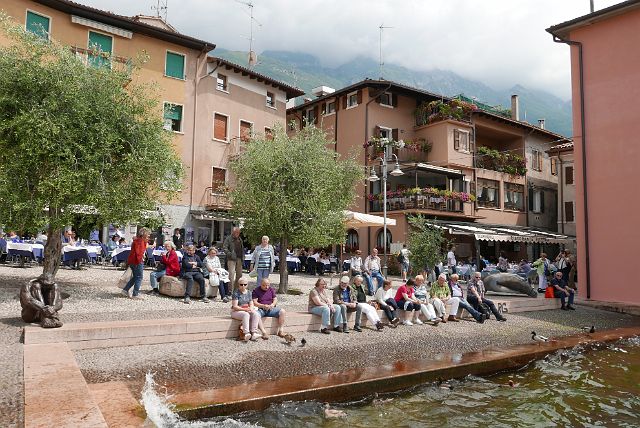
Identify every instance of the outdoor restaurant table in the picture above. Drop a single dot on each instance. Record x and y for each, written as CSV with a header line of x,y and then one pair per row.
x,y
293,263
120,255
346,265
247,260
82,252
33,251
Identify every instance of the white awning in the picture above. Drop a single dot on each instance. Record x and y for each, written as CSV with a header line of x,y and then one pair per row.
x,y
440,169
356,220
503,233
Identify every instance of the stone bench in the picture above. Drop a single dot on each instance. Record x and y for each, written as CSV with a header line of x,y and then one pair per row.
x,y
175,287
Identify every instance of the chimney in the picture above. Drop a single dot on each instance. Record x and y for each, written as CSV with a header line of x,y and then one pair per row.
x,y
541,123
515,108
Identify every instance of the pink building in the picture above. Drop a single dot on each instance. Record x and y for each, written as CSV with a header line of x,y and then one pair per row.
x,y
605,68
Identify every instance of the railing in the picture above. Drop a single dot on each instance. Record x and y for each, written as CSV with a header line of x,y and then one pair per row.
x,y
91,57
418,202
217,201
404,155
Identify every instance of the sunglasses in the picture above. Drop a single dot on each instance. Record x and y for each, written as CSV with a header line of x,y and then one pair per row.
x,y
242,285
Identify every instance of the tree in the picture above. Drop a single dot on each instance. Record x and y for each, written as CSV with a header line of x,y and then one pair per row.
x,y
75,138
426,242
293,189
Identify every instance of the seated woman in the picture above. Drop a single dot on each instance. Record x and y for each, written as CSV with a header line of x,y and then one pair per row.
x,y
422,295
319,304
361,296
385,298
475,295
218,277
503,263
113,243
242,309
169,265
406,300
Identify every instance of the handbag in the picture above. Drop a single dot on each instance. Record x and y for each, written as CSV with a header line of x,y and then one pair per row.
x,y
124,278
214,280
253,273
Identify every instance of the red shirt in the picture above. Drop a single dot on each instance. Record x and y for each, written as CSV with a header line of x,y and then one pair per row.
x,y
170,260
403,289
138,248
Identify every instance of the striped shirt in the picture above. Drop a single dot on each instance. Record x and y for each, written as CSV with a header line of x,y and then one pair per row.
x,y
264,258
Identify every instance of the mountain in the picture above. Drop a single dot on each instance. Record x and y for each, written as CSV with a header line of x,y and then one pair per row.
x,y
306,72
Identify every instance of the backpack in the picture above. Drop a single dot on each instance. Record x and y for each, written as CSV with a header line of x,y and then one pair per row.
x,y
400,257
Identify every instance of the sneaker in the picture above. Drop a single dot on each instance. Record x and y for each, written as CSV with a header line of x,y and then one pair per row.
x,y
187,300
205,300
502,319
125,293
137,297
339,329
325,331
255,336
407,323
152,291
379,326
247,337
563,308
225,299
571,308
395,321
417,321
480,320
357,328
435,321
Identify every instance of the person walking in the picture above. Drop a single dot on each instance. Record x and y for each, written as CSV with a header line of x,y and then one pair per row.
x,y
405,265
263,260
135,262
542,267
234,250
451,260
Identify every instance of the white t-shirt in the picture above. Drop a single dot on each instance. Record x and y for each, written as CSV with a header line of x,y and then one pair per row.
x,y
382,296
451,258
405,255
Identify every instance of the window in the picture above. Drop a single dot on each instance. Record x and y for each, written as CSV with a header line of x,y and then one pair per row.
x,y
310,116
172,117
568,212
386,99
330,108
536,160
100,47
38,24
268,133
568,175
218,180
174,65
220,127
352,99
461,140
246,130
488,193
221,83
384,132
513,196
536,201
351,243
554,166
380,240
271,100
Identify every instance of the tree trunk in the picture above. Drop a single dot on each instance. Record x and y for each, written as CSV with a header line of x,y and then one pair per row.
x,y
284,272
52,252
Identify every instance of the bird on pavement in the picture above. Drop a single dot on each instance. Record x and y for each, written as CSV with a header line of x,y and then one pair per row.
x,y
289,339
588,329
538,338
303,342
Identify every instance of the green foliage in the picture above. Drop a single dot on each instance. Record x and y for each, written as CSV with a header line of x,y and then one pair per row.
x,y
426,242
504,162
294,188
72,135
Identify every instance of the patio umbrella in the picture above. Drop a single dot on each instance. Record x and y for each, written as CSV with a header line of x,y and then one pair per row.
x,y
356,220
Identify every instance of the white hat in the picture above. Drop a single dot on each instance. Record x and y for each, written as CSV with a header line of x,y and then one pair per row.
x,y
345,279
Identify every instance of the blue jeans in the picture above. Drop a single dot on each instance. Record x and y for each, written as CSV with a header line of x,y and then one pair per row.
x,y
262,273
465,305
136,278
559,294
223,289
375,274
325,313
155,276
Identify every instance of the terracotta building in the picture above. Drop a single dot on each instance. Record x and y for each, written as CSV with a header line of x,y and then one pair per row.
x,y
605,76
209,104
450,149
562,163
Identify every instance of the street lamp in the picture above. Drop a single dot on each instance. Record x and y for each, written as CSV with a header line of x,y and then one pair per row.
x,y
374,177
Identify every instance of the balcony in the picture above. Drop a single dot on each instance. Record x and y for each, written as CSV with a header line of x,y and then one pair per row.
x,y
417,151
90,57
437,204
217,201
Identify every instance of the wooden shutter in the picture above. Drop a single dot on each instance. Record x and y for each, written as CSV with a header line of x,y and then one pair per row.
x,y
554,166
174,65
394,100
336,103
394,134
218,178
568,211
359,95
541,201
316,111
344,102
245,131
568,175
531,199
456,139
220,127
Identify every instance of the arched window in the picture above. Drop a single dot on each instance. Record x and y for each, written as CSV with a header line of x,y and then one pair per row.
x,y
380,238
351,243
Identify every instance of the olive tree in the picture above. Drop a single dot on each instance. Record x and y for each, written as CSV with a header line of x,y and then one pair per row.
x,y
76,137
426,242
293,189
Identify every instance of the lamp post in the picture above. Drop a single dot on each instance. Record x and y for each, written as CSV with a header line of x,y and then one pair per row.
x,y
374,177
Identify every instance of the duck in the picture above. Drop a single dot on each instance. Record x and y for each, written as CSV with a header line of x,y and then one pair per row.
x,y
303,342
588,329
289,339
538,338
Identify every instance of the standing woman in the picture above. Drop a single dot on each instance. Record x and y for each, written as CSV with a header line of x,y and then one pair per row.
x,y
542,267
135,261
263,260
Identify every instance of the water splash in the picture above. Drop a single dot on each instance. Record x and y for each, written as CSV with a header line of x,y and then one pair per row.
x,y
161,412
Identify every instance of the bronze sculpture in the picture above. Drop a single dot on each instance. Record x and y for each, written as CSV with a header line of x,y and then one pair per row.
x,y
41,301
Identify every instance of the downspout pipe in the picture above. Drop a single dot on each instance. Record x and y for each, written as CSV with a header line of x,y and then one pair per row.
x,y
557,39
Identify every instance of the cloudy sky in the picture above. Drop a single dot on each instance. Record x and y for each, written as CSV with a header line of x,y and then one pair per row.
x,y
498,42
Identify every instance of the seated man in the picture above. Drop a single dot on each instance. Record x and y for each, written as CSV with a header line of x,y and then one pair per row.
x,y
562,291
475,295
368,310
456,299
422,295
191,265
345,297
265,299
385,298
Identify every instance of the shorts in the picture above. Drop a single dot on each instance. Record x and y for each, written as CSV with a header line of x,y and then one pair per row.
x,y
405,266
273,312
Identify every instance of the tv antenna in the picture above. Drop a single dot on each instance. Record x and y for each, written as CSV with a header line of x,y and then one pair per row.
x,y
253,58
381,27
160,7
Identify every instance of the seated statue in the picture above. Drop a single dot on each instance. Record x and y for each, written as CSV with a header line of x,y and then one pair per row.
x,y
41,302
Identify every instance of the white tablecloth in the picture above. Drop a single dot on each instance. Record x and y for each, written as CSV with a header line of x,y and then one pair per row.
x,y
119,250
24,247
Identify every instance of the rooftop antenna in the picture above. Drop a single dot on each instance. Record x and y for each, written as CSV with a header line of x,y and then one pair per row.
x,y
253,58
381,27
160,7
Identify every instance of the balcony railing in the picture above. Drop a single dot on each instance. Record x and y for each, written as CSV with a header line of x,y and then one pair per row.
x,y
91,57
404,155
217,201
418,202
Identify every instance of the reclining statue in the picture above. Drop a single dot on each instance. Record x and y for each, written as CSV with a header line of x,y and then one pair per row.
x,y
508,283
41,301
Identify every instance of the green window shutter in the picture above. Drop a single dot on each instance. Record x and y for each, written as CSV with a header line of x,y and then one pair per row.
x,y
174,65
99,45
172,111
38,25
